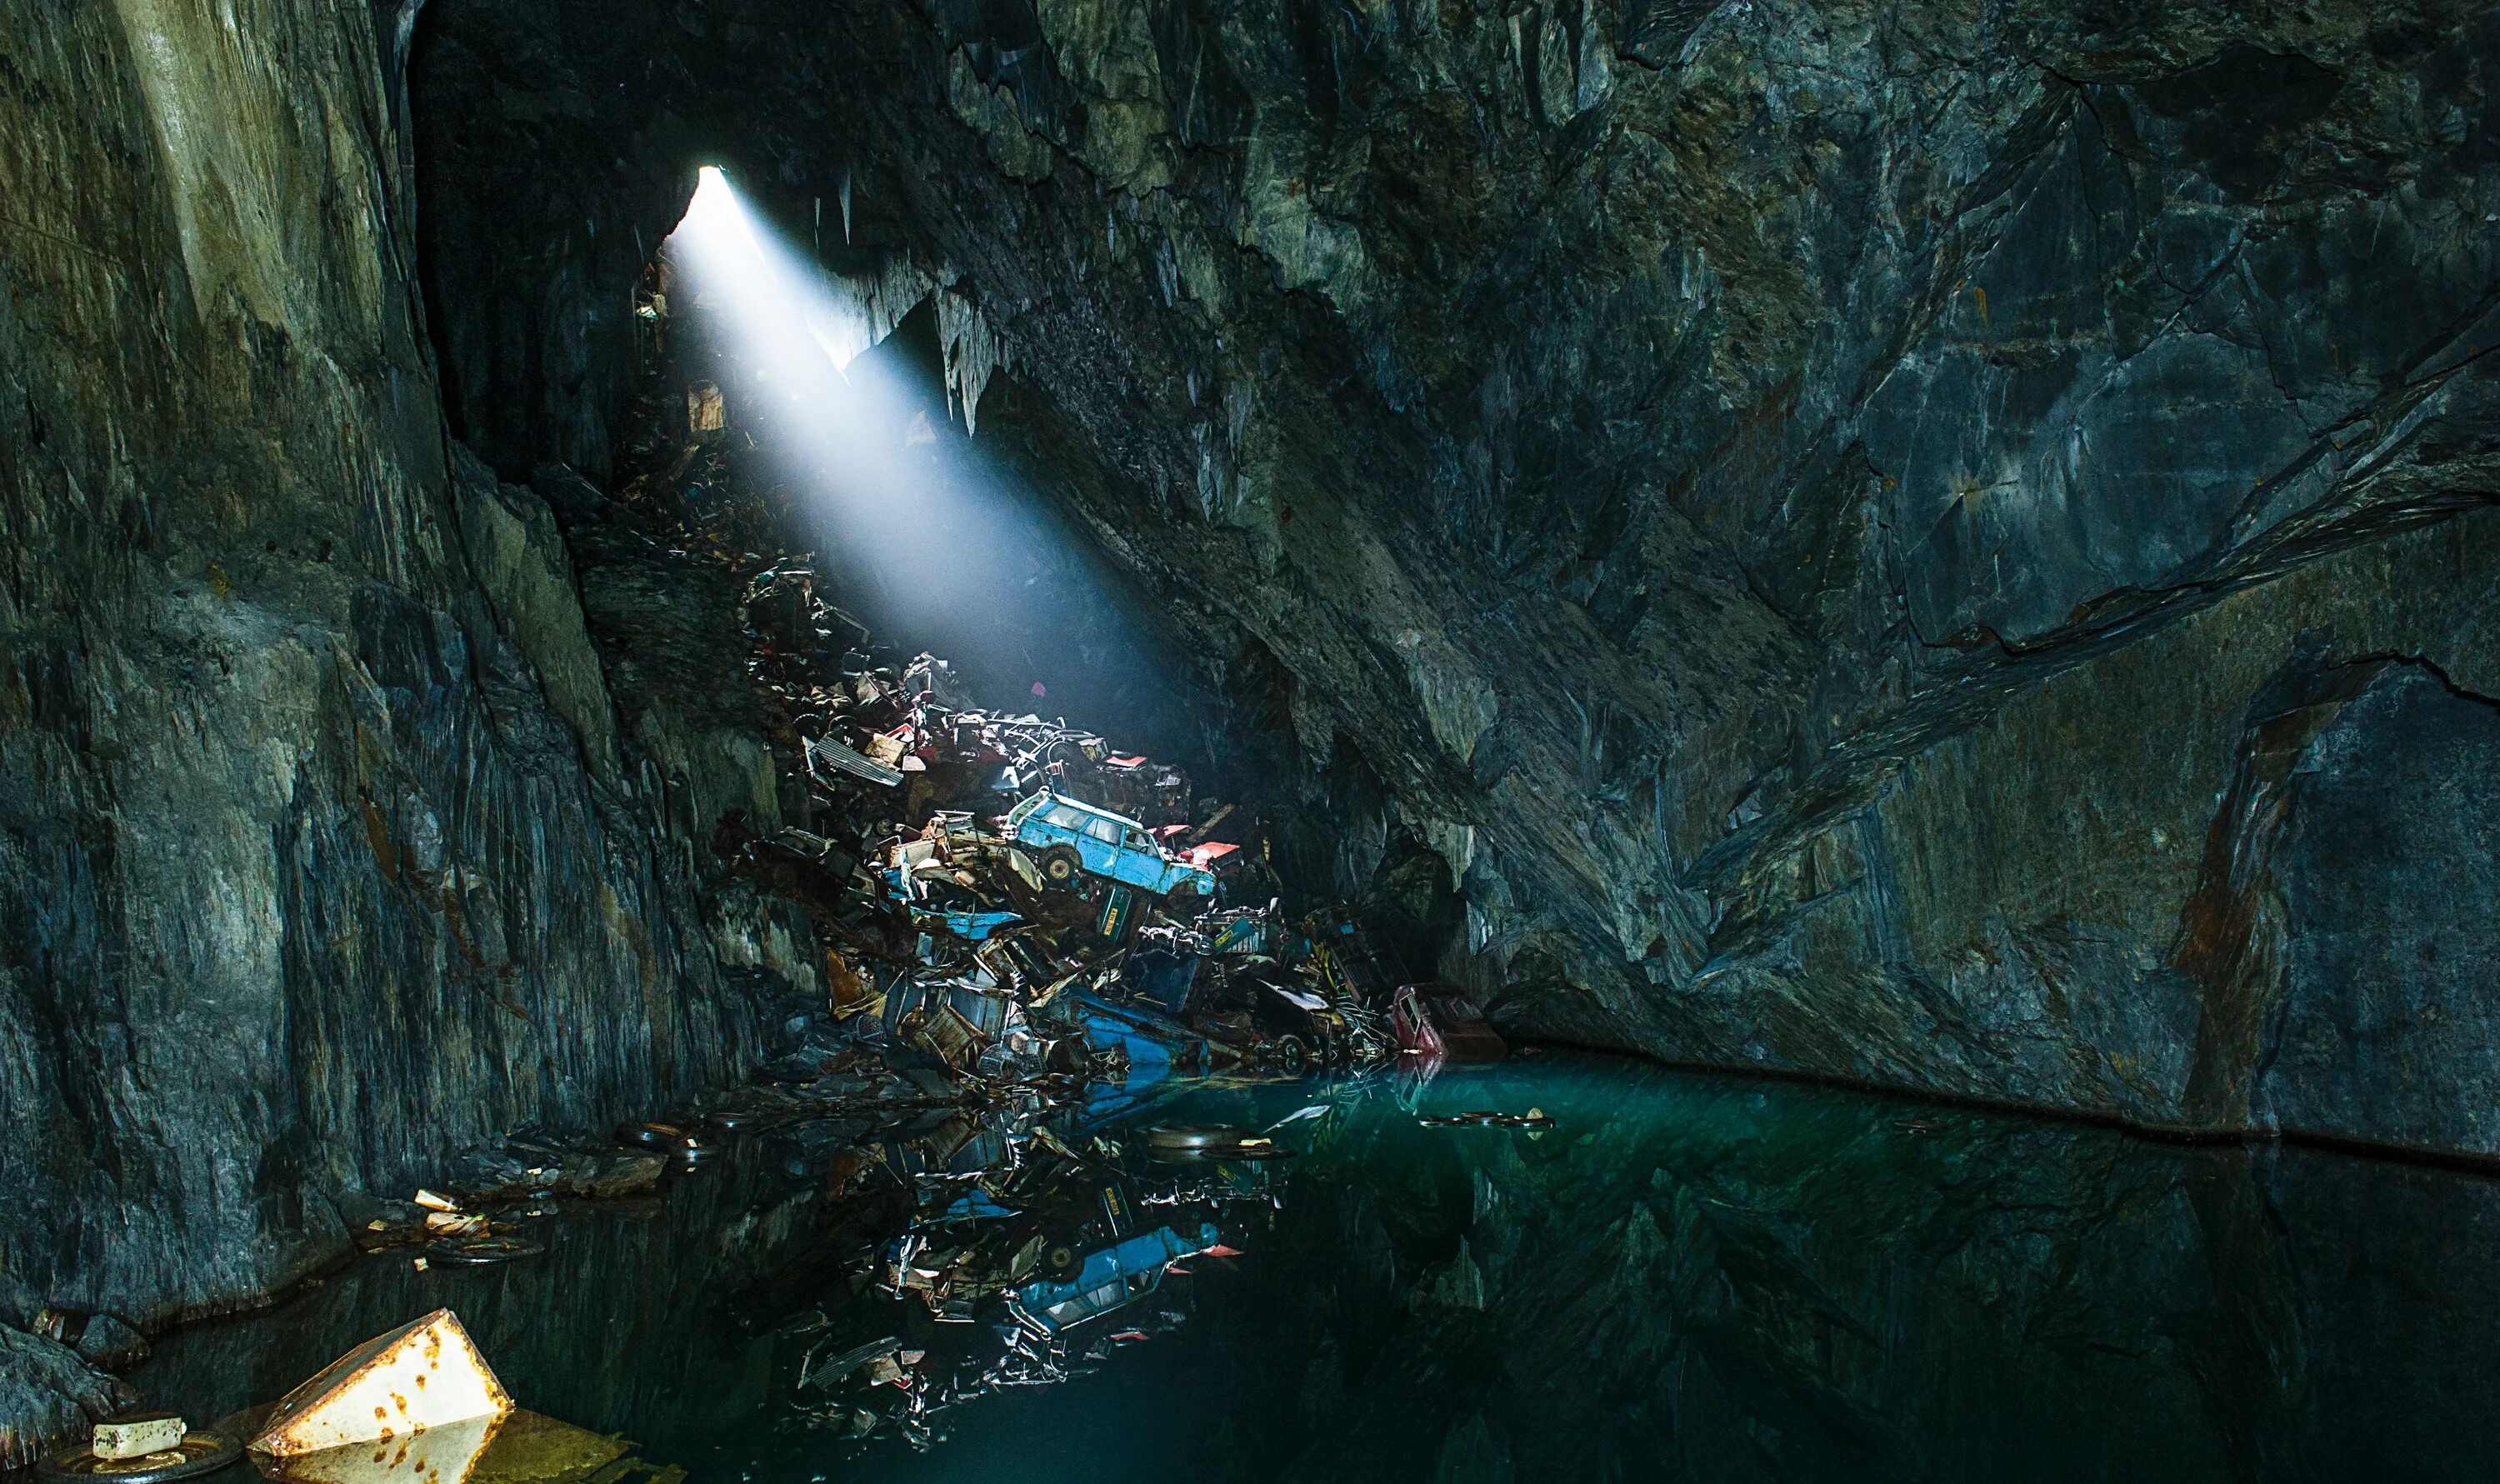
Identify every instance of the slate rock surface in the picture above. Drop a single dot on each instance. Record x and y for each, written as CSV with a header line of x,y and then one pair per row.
x,y
2393,946
47,1393
322,853
1785,509
110,1343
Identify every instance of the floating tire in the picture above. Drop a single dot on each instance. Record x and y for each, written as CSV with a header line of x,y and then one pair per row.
x,y
651,1136
481,1251
195,1454
1192,1136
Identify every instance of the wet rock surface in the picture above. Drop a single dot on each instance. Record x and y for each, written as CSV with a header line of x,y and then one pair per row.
x,y
319,856
1790,507
1851,539
47,1391
2387,854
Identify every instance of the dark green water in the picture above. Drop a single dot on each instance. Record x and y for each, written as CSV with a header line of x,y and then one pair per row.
x,y
1689,1278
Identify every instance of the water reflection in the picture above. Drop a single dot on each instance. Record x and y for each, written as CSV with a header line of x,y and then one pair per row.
x,y
1682,1278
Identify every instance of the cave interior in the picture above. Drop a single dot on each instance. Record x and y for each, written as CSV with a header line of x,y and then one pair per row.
x,y
1891,550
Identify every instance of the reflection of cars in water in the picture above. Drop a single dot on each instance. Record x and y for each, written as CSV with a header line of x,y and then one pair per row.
x,y
1068,836
1111,1277
999,1266
1440,1022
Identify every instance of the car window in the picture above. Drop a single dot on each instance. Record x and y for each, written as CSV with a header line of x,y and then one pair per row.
x,y
1067,818
1102,830
1138,840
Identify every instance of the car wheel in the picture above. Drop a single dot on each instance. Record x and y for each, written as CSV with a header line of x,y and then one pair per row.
x,y
1062,1262
1060,865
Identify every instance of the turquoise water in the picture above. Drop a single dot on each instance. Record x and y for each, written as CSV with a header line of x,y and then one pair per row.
x,y
1688,1277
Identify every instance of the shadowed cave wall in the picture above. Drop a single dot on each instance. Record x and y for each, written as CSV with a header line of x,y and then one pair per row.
x,y
1944,546
324,850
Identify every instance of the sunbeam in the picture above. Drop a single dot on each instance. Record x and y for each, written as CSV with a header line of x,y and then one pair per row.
x,y
903,502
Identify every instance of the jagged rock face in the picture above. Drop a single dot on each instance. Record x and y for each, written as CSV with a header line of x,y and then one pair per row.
x,y
1802,507
47,1391
323,850
1944,547
2393,809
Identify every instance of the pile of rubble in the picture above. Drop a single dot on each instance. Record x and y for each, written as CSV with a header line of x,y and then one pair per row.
x,y
1008,898
1028,933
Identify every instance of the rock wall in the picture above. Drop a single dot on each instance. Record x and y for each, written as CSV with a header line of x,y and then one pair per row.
x,y
1948,546
1807,510
322,848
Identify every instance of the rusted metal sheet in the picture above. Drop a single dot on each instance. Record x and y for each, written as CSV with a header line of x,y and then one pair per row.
x,y
422,1375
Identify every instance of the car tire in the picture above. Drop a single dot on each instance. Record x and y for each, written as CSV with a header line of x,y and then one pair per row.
x,y
1061,866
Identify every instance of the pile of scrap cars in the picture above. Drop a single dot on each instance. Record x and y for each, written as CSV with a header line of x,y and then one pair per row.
x,y
1013,896
1031,939
1030,933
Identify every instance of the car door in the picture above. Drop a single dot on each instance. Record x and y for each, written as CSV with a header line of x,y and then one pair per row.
x,y
1100,844
1063,824
1143,863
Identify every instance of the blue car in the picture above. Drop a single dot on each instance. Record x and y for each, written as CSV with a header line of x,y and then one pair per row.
x,y
1112,1277
964,923
1065,836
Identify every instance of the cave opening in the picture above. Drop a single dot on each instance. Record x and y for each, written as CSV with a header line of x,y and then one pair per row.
x,y
1109,738
788,404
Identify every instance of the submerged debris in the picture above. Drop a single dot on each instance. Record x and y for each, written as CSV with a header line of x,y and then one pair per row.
x,y
156,1448
1534,1119
418,1405
1026,932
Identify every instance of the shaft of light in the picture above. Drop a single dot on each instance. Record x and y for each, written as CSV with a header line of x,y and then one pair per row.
x,y
784,314
902,499
839,421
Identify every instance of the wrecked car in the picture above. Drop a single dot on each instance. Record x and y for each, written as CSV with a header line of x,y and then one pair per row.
x,y
1112,1277
1438,1021
1069,835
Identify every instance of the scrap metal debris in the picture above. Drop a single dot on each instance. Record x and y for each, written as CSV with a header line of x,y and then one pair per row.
x,y
1029,935
1535,1118
1010,899
156,1448
418,1405
422,1375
